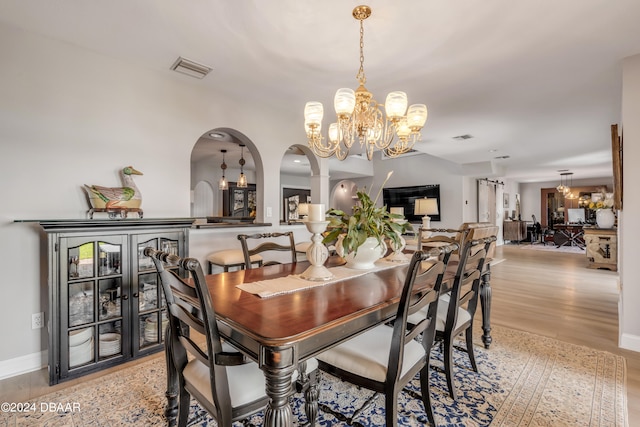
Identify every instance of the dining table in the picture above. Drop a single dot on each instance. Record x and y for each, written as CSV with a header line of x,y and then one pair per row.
x,y
283,329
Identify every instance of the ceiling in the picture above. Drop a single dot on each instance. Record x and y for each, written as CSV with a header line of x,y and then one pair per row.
x,y
537,81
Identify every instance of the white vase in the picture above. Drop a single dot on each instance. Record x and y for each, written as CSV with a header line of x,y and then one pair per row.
x,y
605,218
366,255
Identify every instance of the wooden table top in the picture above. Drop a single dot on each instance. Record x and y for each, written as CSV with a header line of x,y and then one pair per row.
x,y
295,317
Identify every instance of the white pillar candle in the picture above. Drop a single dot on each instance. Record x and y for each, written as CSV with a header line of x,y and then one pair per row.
x,y
316,212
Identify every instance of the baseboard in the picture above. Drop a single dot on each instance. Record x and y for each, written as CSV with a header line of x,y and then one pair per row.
x,y
630,342
23,364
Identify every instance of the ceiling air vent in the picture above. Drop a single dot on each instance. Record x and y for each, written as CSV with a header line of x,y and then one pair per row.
x,y
411,152
462,137
190,68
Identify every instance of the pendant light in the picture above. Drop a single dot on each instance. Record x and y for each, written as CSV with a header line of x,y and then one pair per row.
x,y
223,184
242,180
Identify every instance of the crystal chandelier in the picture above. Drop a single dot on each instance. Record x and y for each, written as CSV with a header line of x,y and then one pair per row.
x,y
223,184
242,179
360,117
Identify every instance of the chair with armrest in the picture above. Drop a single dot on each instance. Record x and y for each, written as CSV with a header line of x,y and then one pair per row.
x,y
220,378
384,359
271,243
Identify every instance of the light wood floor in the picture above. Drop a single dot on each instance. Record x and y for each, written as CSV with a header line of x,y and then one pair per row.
x,y
545,293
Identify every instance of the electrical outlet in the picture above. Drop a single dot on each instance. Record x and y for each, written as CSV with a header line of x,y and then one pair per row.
x,y
37,320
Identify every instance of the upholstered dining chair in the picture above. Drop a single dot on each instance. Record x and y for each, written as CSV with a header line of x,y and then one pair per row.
x,y
384,359
220,378
456,309
271,243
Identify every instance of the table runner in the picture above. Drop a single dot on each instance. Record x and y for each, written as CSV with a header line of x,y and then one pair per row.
x,y
293,282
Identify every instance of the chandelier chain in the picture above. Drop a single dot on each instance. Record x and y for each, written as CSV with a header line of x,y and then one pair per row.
x,y
360,76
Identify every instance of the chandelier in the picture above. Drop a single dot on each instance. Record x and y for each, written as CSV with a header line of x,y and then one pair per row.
x,y
223,184
360,117
242,179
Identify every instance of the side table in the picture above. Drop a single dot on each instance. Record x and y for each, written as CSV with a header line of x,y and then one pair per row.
x,y
602,247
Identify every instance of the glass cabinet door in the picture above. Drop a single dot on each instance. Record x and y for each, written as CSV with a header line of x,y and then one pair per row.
x,y
91,300
151,308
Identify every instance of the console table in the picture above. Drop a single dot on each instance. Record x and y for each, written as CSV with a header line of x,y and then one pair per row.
x,y
602,247
514,231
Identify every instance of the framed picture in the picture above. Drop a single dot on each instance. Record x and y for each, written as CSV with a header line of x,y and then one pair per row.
x,y
292,197
292,207
505,200
239,202
616,155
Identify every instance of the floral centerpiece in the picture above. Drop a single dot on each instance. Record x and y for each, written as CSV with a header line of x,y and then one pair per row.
x,y
602,204
367,220
600,200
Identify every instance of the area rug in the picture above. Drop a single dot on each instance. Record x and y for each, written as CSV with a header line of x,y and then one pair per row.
x,y
553,248
524,380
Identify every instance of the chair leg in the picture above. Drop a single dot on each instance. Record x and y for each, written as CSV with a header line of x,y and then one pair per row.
x,y
183,407
468,335
391,408
448,365
426,393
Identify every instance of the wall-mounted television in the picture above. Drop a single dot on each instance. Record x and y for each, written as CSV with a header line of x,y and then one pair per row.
x,y
405,197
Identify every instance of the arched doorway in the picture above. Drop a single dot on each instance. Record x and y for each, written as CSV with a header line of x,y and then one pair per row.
x,y
206,161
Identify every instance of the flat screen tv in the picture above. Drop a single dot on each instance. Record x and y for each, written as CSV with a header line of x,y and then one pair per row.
x,y
405,197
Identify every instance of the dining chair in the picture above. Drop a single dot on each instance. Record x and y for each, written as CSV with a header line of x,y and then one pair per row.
x,y
384,359
221,379
456,309
272,243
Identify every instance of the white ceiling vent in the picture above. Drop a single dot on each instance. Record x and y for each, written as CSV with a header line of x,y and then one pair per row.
x,y
190,68
412,152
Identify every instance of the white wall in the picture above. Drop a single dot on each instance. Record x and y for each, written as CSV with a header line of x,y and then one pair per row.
x,y
421,170
70,117
627,220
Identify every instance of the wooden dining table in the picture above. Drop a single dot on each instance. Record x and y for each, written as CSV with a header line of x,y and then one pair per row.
x,y
282,331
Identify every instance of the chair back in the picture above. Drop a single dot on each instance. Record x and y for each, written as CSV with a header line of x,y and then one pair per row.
x,y
190,307
425,268
466,284
267,246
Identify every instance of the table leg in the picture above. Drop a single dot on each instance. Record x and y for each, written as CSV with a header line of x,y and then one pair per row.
x,y
278,387
171,410
485,305
309,385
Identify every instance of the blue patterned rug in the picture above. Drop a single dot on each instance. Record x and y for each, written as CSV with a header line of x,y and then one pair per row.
x,y
524,380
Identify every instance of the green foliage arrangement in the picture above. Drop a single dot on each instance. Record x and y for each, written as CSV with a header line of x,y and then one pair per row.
x,y
367,220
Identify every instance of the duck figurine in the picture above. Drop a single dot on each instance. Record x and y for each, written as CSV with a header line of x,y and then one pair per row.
x,y
123,198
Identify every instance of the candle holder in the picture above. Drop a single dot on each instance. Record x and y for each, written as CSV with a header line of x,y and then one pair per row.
x,y
317,253
398,255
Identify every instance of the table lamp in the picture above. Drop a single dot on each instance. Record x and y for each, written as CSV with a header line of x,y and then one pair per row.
x,y
303,210
426,207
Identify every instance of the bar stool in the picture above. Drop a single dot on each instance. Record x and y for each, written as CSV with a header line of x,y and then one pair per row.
x,y
230,258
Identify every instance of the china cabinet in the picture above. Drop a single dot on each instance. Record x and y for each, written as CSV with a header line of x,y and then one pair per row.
x,y
105,303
